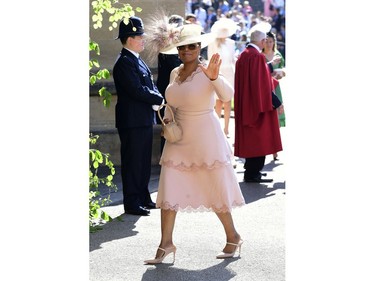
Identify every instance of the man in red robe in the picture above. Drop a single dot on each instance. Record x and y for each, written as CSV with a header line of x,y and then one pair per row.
x,y
257,132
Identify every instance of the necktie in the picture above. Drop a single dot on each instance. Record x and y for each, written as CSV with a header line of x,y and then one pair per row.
x,y
142,63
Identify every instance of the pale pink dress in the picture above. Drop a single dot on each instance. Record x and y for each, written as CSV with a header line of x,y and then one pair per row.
x,y
197,172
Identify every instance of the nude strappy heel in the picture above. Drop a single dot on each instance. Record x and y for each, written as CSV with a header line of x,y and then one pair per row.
x,y
166,252
223,255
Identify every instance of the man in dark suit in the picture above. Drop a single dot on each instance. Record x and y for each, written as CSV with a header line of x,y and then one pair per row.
x,y
135,117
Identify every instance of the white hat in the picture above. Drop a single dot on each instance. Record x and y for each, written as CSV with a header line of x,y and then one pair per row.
x,y
224,28
189,34
262,26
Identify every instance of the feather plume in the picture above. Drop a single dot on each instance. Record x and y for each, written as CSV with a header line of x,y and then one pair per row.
x,y
160,35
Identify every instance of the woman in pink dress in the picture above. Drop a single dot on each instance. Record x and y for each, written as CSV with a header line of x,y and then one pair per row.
x,y
197,172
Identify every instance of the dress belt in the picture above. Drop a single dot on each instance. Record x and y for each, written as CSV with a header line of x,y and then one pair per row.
x,y
182,113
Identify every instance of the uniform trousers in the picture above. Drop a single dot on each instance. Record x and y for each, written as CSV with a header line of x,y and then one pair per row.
x,y
136,153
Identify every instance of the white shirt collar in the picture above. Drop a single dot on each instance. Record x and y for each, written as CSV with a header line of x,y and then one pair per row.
x,y
134,53
256,47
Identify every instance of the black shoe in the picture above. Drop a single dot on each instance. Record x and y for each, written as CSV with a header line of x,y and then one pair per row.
x,y
150,205
138,211
257,179
263,174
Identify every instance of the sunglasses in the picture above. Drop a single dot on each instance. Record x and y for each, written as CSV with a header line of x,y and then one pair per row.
x,y
191,47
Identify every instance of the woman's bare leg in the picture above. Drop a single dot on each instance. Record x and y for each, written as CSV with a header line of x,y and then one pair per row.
x,y
227,109
168,218
230,231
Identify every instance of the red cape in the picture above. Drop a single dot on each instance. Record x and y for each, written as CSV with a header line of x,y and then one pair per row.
x,y
257,130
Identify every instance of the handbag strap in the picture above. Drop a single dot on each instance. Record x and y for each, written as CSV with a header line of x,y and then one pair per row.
x,y
170,109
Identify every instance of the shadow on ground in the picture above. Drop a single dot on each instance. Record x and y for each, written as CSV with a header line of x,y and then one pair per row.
x,y
270,166
166,272
257,191
121,227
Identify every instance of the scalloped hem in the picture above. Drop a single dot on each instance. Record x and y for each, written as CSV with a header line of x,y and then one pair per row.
x,y
183,167
201,208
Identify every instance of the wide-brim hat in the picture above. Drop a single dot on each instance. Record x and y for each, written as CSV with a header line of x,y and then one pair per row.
x,y
133,27
224,28
189,34
263,26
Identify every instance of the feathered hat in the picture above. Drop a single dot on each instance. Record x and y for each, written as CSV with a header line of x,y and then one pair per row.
x,y
163,37
189,34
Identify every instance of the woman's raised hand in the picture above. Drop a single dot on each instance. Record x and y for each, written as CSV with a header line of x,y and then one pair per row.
x,y
213,68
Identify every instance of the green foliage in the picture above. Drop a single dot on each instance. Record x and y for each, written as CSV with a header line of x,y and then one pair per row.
x,y
106,95
122,12
99,160
99,74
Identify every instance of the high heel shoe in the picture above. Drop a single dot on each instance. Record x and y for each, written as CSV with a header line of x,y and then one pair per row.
x,y
166,252
223,255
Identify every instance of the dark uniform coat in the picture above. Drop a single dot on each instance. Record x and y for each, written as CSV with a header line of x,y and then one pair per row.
x,y
136,92
135,117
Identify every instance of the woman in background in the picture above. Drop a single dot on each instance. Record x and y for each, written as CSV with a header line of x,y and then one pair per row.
x,y
270,51
225,47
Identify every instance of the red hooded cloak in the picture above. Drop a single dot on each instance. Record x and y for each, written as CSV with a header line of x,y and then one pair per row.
x,y
257,130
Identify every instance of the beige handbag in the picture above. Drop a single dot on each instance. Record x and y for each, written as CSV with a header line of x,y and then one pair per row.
x,y
172,131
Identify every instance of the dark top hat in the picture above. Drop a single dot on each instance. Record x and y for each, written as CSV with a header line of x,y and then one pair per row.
x,y
134,27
